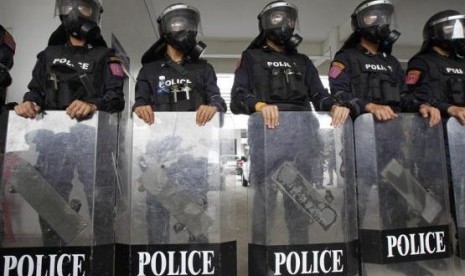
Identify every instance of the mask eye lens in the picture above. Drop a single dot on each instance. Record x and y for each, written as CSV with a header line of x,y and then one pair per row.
x,y
85,10
276,18
67,7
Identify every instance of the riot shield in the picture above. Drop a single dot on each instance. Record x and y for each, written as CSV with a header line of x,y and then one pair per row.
x,y
302,201
456,139
403,197
57,195
182,200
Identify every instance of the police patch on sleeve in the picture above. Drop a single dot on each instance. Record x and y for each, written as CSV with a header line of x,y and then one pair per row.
x,y
9,41
412,77
116,69
336,69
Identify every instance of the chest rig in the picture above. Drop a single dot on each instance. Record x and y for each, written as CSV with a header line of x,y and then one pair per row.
x,y
278,78
73,74
176,87
447,78
374,78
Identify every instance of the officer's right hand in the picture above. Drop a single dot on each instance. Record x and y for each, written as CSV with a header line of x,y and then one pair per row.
x,y
381,112
457,112
27,109
145,112
270,115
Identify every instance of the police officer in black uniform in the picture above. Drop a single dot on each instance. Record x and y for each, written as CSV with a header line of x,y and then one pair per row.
x,y
436,74
79,74
76,72
273,77
365,75
7,51
173,77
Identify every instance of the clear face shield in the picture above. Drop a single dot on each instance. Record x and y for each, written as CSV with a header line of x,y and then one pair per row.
x,y
375,14
88,9
279,15
180,18
450,28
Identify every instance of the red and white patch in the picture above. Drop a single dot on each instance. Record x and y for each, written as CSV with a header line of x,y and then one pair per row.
x,y
336,70
9,41
412,77
116,69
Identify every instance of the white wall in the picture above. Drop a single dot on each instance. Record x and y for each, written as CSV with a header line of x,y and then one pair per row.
x,y
31,22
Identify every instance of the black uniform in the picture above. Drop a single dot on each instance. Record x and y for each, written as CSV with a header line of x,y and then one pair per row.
x,y
7,50
178,87
357,77
289,80
437,80
65,73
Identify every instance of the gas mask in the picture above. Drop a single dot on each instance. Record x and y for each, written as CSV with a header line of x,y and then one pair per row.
x,y
448,33
80,18
179,24
278,22
373,20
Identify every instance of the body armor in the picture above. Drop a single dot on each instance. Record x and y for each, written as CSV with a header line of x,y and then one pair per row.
x,y
279,78
73,73
447,78
374,78
174,91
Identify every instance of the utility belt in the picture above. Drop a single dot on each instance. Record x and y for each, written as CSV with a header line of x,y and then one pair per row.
x,y
177,101
62,91
292,107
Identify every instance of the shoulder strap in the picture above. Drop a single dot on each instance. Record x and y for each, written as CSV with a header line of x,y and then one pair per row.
x,y
183,71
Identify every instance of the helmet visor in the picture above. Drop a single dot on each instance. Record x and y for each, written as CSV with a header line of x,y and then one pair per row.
x,y
88,9
180,18
279,15
375,14
449,28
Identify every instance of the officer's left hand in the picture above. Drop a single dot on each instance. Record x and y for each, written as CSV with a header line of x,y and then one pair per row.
x,y
339,115
433,113
80,110
204,114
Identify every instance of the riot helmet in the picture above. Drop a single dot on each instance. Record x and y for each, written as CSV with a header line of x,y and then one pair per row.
x,y
446,29
373,20
277,21
179,24
80,17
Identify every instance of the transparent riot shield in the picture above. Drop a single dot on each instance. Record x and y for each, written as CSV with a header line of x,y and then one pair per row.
x,y
403,197
57,195
456,139
302,201
182,199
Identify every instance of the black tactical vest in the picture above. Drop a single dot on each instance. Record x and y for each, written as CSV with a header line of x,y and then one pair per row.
x,y
373,78
73,73
176,91
278,77
447,78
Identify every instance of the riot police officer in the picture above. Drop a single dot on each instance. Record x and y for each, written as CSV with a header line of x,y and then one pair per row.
x,y
79,74
76,72
436,74
273,76
365,75
173,77
7,51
